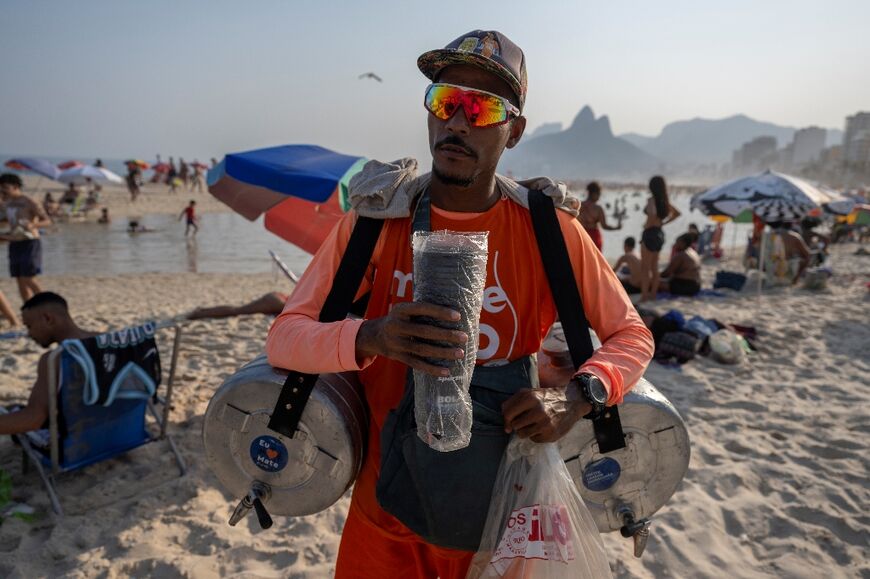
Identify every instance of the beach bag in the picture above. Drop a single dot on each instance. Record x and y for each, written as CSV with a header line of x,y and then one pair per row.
x,y
701,327
681,346
729,280
727,346
537,525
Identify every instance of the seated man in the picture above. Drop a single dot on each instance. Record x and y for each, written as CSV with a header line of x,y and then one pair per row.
x,y
631,262
684,270
789,255
47,318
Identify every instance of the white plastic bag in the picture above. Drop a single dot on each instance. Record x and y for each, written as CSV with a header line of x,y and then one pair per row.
x,y
538,526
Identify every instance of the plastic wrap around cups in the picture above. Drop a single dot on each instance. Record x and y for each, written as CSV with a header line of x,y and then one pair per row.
x,y
449,271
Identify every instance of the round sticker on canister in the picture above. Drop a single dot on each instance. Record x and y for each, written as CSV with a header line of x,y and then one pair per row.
x,y
601,474
268,453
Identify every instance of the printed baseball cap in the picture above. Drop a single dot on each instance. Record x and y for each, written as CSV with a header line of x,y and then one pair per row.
x,y
488,49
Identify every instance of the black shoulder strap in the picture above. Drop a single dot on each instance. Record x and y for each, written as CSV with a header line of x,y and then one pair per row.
x,y
298,386
560,275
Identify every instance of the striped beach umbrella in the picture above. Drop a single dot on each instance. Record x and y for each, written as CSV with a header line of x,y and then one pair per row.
x,y
301,190
773,210
770,195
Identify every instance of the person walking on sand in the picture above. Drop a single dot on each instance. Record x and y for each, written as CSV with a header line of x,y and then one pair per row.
x,y
184,173
25,217
7,311
198,185
592,215
189,213
172,176
474,112
659,212
134,176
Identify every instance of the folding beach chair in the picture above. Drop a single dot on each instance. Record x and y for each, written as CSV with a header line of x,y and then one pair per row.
x,y
89,422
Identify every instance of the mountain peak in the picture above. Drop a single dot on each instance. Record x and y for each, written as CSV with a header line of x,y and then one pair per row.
x,y
603,124
584,117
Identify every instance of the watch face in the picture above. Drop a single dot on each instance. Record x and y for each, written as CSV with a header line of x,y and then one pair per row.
x,y
596,389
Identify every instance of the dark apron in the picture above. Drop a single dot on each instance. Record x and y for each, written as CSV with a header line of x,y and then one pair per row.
x,y
444,496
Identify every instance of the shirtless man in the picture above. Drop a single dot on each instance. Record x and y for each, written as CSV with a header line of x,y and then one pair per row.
x,y
797,254
684,270
632,281
592,215
47,318
25,217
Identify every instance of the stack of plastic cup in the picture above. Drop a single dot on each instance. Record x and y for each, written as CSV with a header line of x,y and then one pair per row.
x,y
450,271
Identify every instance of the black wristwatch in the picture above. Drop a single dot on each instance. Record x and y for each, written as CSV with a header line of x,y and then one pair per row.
x,y
593,391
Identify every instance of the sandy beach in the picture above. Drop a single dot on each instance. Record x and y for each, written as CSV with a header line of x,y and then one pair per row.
x,y
776,484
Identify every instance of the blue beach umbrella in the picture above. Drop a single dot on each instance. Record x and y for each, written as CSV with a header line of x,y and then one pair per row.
x,y
301,189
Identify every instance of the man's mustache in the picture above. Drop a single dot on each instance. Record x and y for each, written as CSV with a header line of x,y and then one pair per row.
x,y
455,141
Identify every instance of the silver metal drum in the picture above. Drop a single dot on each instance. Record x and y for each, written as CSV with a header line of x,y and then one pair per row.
x,y
304,474
632,483
640,478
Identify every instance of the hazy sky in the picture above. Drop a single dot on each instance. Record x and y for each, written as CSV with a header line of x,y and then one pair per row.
x,y
115,78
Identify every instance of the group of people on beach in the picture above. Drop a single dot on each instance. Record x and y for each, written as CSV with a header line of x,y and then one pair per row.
x,y
182,177
641,275
26,218
474,113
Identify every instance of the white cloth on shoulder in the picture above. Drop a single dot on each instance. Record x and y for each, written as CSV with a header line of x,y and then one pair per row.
x,y
388,190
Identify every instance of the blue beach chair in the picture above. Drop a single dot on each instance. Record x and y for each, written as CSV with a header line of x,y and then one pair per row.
x,y
90,423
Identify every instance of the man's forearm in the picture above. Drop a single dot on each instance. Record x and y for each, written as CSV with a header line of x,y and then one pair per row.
x,y
21,421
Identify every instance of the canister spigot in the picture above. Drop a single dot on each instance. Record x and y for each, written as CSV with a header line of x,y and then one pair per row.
x,y
259,493
637,530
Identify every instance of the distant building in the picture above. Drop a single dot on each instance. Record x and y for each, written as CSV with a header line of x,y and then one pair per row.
x,y
807,145
856,141
752,155
832,156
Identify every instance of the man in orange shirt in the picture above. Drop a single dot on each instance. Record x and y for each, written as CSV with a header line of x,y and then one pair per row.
x,y
483,74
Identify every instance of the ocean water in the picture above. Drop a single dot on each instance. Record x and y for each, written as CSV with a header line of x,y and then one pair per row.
x,y
228,243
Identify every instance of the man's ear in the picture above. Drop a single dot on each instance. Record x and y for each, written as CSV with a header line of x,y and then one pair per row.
x,y
518,126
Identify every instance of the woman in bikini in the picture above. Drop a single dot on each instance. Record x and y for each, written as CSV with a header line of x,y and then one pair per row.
x,y
659,212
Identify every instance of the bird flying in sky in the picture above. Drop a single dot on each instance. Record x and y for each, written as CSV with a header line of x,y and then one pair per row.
x,y
371,75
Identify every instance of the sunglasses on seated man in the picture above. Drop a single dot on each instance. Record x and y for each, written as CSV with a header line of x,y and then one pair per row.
x,y
482,109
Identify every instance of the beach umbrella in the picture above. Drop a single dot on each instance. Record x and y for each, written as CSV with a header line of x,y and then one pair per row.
x,y
160,168
69,165
137,163
837,203
860,215
39,166
772,196
80,175
300,189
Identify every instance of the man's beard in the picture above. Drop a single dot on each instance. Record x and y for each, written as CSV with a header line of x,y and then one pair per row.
x,y
453,180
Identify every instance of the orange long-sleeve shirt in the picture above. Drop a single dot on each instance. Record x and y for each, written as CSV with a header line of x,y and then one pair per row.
x,y
518,310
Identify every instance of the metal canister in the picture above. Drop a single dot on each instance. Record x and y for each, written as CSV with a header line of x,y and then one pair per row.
x,y
293,476
636,480
632,483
